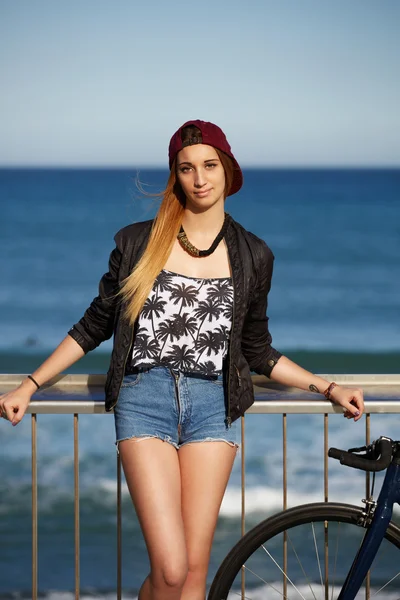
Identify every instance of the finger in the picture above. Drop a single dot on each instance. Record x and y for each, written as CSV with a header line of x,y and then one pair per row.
x,y
9,412
348,407
354,412
349,415
18,413
351,411
358,402
5,413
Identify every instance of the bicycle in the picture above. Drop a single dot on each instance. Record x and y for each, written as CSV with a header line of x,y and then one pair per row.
x,y
295,553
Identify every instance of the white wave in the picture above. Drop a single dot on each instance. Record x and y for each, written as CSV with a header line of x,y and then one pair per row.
x,y
263,499
258,499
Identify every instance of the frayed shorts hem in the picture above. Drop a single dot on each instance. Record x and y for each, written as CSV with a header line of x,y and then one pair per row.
x,y
141,438
169,440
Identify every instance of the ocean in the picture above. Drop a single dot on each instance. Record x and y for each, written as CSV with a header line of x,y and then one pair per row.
x,y
333,308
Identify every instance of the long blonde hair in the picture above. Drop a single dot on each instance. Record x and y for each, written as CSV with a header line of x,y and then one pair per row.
x,y
166,225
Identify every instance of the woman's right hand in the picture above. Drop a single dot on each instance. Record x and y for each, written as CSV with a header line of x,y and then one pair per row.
x,y
13,405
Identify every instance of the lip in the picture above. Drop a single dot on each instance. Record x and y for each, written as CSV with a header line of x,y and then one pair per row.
x,y
203,193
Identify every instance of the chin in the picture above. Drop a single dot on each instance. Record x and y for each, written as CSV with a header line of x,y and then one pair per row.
x,y
203,206
207,202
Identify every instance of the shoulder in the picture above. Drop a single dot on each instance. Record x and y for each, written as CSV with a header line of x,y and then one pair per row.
x,y
257,246
135,232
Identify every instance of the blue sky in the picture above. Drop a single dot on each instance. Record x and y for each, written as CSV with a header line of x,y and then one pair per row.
x,y
292,82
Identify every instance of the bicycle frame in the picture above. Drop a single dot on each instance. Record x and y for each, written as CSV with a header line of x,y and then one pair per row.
x,y
389,494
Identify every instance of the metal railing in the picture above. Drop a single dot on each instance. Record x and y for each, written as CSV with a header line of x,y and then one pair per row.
x,y
84,394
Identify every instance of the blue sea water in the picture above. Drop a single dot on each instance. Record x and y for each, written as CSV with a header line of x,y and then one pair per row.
x,y
335,236
333,307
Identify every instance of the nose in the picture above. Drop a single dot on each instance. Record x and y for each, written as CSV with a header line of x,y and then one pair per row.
x,y
199,178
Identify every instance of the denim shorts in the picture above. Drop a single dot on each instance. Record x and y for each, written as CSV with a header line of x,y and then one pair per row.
x,y
179,408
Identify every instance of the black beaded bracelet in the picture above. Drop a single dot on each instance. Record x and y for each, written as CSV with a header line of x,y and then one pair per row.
x,y
35,382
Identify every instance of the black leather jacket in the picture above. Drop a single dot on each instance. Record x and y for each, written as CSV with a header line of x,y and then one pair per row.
x,y
250,341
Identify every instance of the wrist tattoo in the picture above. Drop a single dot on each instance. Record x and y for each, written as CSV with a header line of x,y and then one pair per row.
x,y
313,388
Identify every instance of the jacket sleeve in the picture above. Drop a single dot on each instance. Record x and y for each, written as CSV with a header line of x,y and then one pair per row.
x,y
256,338
97,324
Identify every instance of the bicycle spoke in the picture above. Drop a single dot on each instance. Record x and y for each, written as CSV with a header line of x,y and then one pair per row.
x,y
283,573
336,555
388,583
301,566
264,581
317,554
241,596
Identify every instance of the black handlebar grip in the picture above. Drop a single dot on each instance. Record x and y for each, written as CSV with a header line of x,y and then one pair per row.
x,y
335,453
384,448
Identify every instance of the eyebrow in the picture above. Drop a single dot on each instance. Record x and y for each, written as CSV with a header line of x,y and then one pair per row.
x,y
206,161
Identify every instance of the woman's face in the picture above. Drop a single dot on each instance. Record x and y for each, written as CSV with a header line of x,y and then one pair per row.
x,y
201,175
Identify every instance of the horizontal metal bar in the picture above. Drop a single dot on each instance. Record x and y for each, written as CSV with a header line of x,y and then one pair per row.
x,y
99,379
319,407
259,407
84,394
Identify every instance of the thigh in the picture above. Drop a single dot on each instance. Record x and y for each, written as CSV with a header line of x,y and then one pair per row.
x,y
205,469
152,472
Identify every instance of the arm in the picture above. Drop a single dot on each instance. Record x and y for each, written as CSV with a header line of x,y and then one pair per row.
x,y
95,326
13,405
289,373
266,360
256,338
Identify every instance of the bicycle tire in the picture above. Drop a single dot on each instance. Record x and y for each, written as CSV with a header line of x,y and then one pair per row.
x,y
286,521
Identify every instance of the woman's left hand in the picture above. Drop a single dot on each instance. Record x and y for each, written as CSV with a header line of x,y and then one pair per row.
x,y
351,399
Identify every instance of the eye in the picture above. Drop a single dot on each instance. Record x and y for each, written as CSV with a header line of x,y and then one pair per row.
x,y
211,165
184,169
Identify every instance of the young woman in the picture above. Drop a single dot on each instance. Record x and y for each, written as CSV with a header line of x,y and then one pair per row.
x,y
185,297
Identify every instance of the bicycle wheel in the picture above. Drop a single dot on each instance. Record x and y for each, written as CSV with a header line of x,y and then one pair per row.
x,y
321,541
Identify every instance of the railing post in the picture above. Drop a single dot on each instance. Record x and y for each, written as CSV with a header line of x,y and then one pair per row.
x,y
284,498
76,508
243,497
119,530
367,495
326,493
34,510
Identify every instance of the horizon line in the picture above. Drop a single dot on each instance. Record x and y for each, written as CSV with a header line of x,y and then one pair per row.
x,y
122,166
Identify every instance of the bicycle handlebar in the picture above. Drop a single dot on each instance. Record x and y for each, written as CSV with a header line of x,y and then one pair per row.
x,y
377,457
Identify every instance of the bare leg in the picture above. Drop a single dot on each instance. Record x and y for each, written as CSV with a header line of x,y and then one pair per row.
x,y
205,470
152,473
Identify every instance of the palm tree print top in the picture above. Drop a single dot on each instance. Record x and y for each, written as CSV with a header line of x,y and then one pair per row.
x,y
185,323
